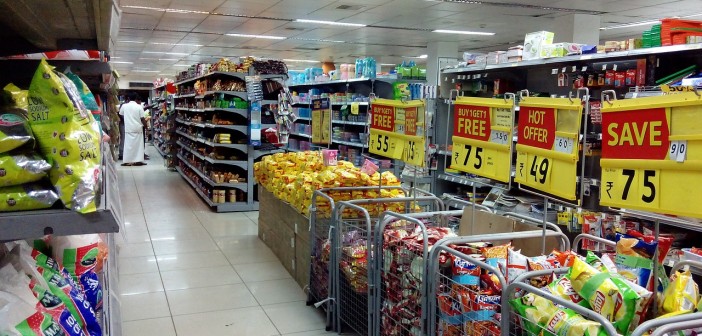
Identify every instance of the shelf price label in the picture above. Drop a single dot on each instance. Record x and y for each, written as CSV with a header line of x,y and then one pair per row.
x,y
397,130
652,154
482,137
547,151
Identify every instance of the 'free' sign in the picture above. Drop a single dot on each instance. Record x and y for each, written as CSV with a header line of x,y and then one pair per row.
x,y
472,122
383,118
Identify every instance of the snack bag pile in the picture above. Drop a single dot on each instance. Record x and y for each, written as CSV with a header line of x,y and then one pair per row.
x,y
44,297
354,261
293,177
402,277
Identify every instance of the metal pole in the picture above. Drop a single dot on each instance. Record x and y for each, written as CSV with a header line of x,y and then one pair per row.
x,y
543,228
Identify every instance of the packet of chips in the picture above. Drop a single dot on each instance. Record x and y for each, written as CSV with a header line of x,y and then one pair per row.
x,y
634,259
534,311
562,288
29,196
682,294
538,264
21,168
68,137
595,287
516,265
566,322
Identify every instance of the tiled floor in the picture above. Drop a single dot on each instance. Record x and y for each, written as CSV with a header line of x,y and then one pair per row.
x,y
187,271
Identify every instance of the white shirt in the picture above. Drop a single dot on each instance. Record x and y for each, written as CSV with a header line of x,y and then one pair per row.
x,y
132,113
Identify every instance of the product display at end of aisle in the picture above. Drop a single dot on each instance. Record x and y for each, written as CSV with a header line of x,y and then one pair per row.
x,y
293,177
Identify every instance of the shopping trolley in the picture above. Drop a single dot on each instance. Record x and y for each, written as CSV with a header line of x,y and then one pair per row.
x,y
352,244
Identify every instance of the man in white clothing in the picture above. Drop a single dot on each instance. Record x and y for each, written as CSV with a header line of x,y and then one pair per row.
x,y
134,125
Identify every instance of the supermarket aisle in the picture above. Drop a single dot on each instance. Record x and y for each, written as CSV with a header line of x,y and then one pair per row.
x,y
187,271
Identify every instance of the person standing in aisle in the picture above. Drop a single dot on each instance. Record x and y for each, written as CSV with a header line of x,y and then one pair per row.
x,y
134,125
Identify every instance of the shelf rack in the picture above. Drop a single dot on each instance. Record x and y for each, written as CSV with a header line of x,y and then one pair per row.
x,y
162,116
243,167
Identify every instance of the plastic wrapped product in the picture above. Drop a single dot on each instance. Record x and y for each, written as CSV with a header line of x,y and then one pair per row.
x,y
14,130
566,322
21,168
19,318
538,264
85,95
562,288
682,294
534,311
29,196
68,137
78,253
517,264
634,259
92,289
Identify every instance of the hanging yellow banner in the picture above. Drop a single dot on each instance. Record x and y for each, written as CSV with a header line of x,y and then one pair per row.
x,y
548,145
482,137
321,121
397,130
652,154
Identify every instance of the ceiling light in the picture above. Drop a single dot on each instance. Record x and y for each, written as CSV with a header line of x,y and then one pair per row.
x,y
148,58
462,32
168,10
182,65
388,64
145,71
633,24
129,41
334,23
269,37
300,60
177,44
121,62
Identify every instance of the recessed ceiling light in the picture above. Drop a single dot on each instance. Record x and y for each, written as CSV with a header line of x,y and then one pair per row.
x,y
121,62
168,10
181,65
177,44
300,60
462,32
388,64
334,23
269,37
633,24
168,59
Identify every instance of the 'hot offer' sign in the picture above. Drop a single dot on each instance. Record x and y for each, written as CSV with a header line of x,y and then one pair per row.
x,y
652,154
482,137
547,153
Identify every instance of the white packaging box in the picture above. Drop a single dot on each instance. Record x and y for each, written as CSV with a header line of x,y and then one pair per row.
x,y
533,42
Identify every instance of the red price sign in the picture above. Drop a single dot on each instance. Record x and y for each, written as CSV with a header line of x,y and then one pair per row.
x,y
411,121
472,122
537,127
636,134
383,118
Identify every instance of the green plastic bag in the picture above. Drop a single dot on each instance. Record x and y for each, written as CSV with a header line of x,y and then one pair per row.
x,y
68,137
22,168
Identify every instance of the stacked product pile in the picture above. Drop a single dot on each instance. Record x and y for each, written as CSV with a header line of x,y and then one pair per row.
x,y
49,142
293,177
52,296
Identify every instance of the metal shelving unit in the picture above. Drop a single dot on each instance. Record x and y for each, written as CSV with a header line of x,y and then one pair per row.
x,y
242,167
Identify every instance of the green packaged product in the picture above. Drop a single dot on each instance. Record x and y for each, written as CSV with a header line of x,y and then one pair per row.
x,y
29,196
534,311
68,137
14,129
566,322
21,168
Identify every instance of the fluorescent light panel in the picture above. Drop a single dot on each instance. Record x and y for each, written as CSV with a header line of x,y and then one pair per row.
x,y
633,24
300,60
462,32
121,62
145,71
333,23
165,53
269,37
168,10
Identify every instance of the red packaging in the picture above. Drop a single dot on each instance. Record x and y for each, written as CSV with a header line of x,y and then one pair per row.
x,y
619,78
641,72
578,82
630,79
609,77
465,272
484,301
490,281
601,79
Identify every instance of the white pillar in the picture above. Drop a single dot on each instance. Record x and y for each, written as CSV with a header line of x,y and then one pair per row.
x,y
577,28
435,50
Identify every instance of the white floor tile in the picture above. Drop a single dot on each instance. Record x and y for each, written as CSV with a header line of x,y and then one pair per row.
x,y
245,249
295,317
136,250
240,322
134,236
137,265
276,291
200,277
160,326
209,299
320,332
163,247
234,227
191,261
131,284
262,271
188,233
173,223
144,306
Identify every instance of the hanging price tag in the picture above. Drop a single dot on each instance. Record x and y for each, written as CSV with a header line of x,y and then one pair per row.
x,y
397,130
563,145
354,108
482,137
652,154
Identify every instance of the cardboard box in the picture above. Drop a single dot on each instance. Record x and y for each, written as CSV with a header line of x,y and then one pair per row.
x,y
487,223
303,252
534,41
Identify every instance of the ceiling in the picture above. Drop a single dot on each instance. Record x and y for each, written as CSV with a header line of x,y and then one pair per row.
x,y
157,38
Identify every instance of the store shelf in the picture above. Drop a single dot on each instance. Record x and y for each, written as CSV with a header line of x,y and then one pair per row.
x,y
475,182
349,143
34,224
163,154
194,152
238,163
189,95
240,186
335,103
258,153
663,219
344,122
301,135
239,75
242,112
240,94
268,102
240,128
220,207
242,147
359,80
419,179
303,118
574,58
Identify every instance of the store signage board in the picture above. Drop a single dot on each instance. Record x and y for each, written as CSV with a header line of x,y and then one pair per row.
x,y
397,130
321,121
547,147
652,154
482,137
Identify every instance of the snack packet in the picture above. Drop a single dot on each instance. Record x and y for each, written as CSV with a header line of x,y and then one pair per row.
x,y
516,265
541,263
21,168
19,318
562,288
68,137
465,272
566,322
595,287
604,264
634,259
77,253
534,311
31,196
564,258
682,294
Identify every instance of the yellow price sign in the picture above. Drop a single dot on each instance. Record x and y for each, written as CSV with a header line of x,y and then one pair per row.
x,y
386,144
415,151
395,130
482,137
547,146
652,154
321,121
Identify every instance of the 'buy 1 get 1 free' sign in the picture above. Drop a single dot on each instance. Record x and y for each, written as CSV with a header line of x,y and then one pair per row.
x,y
548,145
652,154
397,130
482,137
